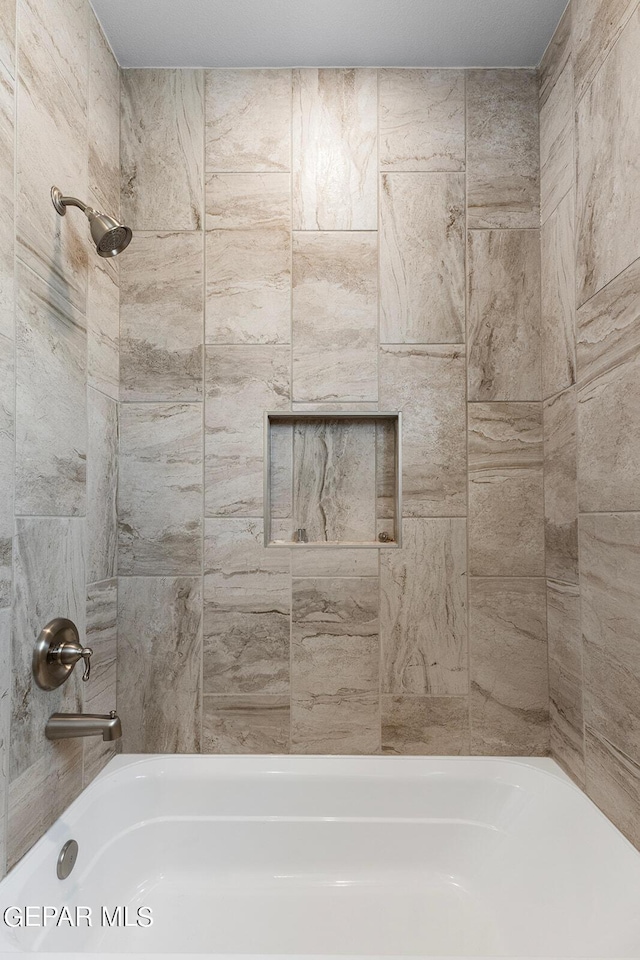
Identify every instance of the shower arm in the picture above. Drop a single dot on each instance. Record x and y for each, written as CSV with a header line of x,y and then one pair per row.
x,y
61,203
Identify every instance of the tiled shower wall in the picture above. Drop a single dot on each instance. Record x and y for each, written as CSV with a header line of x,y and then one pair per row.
x,y
590,193
331,239
58,396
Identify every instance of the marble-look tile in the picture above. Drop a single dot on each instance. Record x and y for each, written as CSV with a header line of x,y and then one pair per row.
x,y
248,120
506,513
556,56
558,301
610,608
103,325
8,35
335,725
560,487
503,325
5,713
103,120
7,227
596,27
609,396
557,167
335,647
387,441
334,480
237,724
335,562
241,382
565,677
421,120
160,489
49,571
247,600
160,663
335,316
102,485
509,703
423,610
613,783
281,472
422,258
161,318
427,384
608,196
502,149
7,441
51,402
425,726
334,134
99,693
161,129
62,26
248,258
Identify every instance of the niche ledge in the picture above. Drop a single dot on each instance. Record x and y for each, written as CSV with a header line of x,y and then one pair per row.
x,y
334,475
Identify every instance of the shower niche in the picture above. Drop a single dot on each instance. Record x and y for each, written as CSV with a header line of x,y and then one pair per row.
x,y
332,479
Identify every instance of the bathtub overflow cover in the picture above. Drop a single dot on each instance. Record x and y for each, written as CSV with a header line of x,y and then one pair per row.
x,y
67,859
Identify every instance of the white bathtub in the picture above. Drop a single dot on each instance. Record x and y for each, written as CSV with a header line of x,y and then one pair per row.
x,y
333,856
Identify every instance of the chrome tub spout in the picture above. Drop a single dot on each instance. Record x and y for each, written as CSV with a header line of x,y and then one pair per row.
x,y
64,726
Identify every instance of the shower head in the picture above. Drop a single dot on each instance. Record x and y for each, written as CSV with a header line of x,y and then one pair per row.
x,y
109,236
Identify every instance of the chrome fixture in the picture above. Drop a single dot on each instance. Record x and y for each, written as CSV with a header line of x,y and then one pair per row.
x,y
64,726
67,859
57,651
109,236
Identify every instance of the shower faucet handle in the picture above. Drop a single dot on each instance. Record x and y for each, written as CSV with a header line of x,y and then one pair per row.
x,y
57,651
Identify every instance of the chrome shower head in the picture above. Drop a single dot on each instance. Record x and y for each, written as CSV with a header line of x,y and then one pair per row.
x,y
109,236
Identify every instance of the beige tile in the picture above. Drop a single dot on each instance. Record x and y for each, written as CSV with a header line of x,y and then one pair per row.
x,y
7,468
241,382
608,129
7,176
335,562
421,120
103,325
335,725
5,716
503,325
237,724
596,27
161,318
427,384
502,148
102,486
247,594
334,135
8,35
560,487
99,696
423,610
248,258
556,56
162,120
103,120
509,674
558,305
613,782
422,258
425,726
335,309
506,515
248,120
565,677
609,396
557,167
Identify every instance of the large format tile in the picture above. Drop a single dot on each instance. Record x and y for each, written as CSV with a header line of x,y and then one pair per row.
x,y
161,318
423,615
427,384
560,487
162,119
556,56
609,396
8,35
248,120
245,724
509,675
335,562
7,443
51,402
503,326
558,302
248,258
422,258
557,167
596,27
334,136
610,588
241,382
608,196
7,177
335,310
506,515
502,148
613,782
425,726
102,486
160,489
565,677
247,594
5,713
103,120
422,116
103,325
99,694
160,663
335,725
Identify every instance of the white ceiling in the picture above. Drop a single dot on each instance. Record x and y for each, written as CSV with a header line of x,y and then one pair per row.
x,y
277,33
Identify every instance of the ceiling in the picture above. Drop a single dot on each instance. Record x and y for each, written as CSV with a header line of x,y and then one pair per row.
x,y
282,33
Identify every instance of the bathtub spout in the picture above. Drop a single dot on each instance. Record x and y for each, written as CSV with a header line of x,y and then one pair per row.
x,y
64,726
